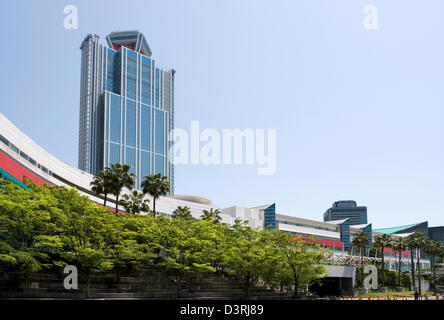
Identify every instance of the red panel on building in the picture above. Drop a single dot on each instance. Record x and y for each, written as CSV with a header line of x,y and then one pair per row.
x,y
18,171
331,243
324,242
391,251
111,209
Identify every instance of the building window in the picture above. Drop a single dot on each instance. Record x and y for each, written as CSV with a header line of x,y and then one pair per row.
x,y
4,140
24,155
14,148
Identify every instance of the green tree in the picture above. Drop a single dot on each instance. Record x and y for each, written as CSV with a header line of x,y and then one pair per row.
x,y
211,215
22,262
156,186
84,233
300,260
381,242
360,240
248,253
189,247
434,249
28,228
416,241
182,213
411,244
420,240
120,178
102,184
134,202
399,245
391,279
129,242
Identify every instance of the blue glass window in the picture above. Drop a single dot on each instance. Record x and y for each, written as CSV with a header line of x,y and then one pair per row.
x,y
131,158
4,140
123,75
160,132
145,163
160,167
146,81
131,75
130,123
106,144
24,155
145,127
270,217
157,91
13,147
110,80
114,153
115,118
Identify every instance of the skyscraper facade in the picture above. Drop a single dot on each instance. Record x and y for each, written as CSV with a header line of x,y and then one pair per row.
x,y
126,107
347,209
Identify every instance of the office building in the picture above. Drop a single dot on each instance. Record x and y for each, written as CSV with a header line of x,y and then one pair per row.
x,y
347,209
126,107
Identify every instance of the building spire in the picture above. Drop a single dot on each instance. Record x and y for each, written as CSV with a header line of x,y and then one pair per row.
x,y
133,40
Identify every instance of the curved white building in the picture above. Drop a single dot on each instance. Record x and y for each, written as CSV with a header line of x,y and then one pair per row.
x,y
21,157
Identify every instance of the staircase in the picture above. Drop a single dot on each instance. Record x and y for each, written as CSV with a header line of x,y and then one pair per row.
x,y
155,284
215,288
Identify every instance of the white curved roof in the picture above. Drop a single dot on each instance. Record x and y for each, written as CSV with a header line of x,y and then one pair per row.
x,y
310,231
192,199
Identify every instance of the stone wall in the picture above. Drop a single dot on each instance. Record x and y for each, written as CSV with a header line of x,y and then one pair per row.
x,y
154,284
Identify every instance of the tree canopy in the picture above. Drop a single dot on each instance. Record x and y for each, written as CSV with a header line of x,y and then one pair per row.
x,y
48,227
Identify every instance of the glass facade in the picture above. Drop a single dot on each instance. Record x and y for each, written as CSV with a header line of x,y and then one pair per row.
x,y
347,209
270,217
437,234
134,108
344,232
368,230
417,227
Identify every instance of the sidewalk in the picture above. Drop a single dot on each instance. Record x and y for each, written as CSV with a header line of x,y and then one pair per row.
x,y
438,298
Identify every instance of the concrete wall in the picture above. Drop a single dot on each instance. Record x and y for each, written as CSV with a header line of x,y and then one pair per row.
x,y
342,272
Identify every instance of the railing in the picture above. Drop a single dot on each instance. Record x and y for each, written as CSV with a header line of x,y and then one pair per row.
x,y
390,263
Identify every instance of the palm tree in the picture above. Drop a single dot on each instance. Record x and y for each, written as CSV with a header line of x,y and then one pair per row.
x,y
418,242
433,248
360,240
441,252
382,241
182,213
422,241
399,244
101,184
211,215
121,178
134,202
411,244
155,185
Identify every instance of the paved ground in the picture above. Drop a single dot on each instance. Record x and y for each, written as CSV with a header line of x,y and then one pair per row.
x,y
395,298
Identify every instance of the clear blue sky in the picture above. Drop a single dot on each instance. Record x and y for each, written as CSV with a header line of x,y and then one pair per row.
x,y
359,113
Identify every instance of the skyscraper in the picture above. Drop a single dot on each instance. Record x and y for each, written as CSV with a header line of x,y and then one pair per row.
x,y
347,209
126,107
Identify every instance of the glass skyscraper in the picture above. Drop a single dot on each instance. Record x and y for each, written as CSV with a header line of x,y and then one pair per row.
x,y
126,107
347,209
